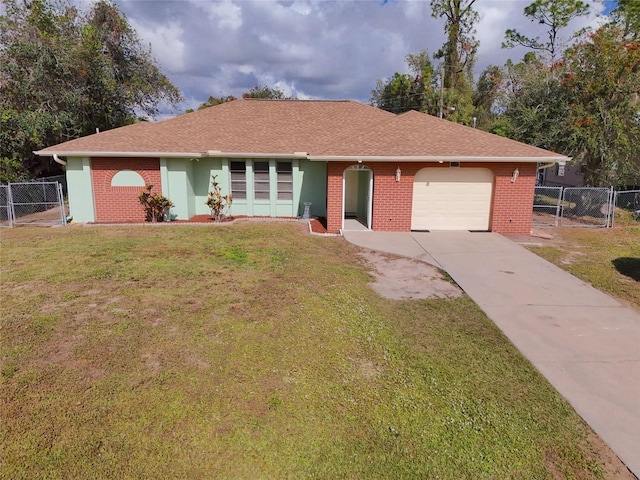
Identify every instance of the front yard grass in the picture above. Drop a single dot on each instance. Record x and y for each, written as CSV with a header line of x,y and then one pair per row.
x,y
608,259
257,351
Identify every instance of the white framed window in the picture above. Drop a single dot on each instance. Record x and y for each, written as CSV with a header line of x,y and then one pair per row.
x,y
285,180
261,180
238,180
560,171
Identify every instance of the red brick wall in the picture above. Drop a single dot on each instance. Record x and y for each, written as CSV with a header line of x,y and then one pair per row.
x,y
334,195
120,204
513,202
392,201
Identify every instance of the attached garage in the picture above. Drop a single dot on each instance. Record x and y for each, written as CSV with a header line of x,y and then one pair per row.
x,y
452,199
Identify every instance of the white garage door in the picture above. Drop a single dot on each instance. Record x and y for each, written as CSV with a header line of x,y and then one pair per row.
x,y
452,199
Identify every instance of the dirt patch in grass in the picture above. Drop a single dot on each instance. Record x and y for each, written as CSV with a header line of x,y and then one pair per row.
x,y
401,278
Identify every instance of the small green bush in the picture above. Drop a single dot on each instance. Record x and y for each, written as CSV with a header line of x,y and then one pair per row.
x,y
218,202
156,206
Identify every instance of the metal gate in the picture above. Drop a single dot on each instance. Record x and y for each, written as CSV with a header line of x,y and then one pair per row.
x,y
587,207
628,200
31,203
546,206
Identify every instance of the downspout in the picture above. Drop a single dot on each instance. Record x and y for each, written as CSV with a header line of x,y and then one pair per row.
x,y
547,165
544,166
57,159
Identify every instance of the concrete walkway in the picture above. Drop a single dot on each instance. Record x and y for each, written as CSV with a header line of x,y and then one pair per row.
x,y
584,342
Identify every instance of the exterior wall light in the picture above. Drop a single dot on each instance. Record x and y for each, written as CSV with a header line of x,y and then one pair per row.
x,y
514,177
398,173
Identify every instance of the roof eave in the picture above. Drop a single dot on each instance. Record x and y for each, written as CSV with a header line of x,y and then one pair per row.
x,y
220,154
436,158
210,153
80,153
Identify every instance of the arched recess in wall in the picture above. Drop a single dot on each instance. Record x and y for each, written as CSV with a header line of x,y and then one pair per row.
x,y
127,178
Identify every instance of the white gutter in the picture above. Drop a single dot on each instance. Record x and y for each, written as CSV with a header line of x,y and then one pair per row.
x,y
548,161
121,154
210,153
433,158
548,165
218,153
57,160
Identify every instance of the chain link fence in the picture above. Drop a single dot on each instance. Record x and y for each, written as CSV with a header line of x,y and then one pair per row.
x,y
630,201
32,203
583,206
61,179
546,206
586,207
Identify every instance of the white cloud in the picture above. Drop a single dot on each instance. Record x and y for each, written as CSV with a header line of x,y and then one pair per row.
x,y
225,13
166,43
308,48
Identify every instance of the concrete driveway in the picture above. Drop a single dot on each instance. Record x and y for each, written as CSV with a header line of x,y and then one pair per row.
x,y
583,341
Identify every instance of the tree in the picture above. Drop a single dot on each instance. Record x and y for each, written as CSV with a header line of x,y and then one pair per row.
x,y
556,15
408,91
459,51
212,102
626,16
458,55
487,92
603,85
65,74
534,104
586,107
266,92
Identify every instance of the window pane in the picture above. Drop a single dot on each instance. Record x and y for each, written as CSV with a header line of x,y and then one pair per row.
x,y
261,167
285,181
238,180
261,180
238,167
284,167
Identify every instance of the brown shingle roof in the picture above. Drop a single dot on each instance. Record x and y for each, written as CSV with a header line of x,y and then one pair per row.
x,y
318,127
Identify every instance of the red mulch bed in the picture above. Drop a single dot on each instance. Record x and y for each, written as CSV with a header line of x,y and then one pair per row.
x,y
318,225
208,219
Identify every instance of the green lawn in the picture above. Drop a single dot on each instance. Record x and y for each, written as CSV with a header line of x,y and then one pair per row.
x,y
256,351
608,259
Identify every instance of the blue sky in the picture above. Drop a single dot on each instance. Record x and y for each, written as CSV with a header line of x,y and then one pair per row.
x,y
324,49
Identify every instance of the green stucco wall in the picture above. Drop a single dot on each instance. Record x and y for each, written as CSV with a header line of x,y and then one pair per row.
x,y
313,187
80,189
177,185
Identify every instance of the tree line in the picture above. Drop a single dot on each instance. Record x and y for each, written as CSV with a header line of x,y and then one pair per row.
x,y
576,94
65,73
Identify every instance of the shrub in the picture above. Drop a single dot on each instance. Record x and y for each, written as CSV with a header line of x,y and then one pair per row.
x,y
155,205
218,202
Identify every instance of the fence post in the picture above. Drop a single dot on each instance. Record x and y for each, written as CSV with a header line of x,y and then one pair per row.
x,y
13,206
610,209
555,222
63,215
